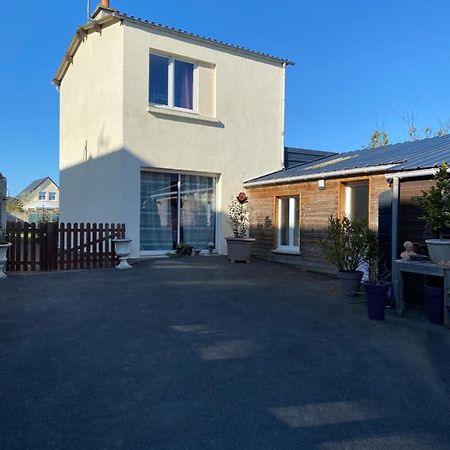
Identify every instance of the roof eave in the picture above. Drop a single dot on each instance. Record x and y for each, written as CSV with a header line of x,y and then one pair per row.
x,y
78,38
194,37
321,175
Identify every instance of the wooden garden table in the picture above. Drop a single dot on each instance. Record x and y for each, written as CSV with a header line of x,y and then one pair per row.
x,y
420,268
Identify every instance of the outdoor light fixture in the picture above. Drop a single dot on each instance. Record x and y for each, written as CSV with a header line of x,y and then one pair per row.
x,y
322,184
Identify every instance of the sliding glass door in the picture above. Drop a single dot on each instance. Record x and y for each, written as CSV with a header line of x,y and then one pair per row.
x,y
177,208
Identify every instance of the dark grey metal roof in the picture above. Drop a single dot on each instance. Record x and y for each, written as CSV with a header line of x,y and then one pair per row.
x,y
34,185
193,35
411,155
294,156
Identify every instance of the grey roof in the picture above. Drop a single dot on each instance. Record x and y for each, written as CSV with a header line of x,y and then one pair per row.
x,y
196,36
294,156
411,155
114,16
34,185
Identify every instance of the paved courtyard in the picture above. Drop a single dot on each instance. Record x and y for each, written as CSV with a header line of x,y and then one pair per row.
x,y
198,353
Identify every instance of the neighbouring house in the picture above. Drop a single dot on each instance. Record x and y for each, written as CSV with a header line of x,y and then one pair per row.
x,y
291,207
39,201
159,127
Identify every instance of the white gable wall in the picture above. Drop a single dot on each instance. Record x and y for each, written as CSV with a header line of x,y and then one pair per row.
x,y
244,95
104,102
91,130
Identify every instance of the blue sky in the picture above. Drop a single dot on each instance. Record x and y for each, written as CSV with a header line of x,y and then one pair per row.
x,y
358,64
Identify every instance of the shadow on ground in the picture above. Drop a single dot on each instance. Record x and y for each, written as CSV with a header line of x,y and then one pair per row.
x,y
200,353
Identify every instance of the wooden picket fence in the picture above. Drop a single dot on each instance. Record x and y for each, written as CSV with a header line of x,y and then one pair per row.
x,y
58,246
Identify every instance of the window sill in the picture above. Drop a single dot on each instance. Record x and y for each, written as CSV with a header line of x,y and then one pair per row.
x,y
191,116
287,251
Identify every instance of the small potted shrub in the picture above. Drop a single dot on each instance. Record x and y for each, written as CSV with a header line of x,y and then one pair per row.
x,y
376,287
345,248
239,246
184,249
4,245
435,203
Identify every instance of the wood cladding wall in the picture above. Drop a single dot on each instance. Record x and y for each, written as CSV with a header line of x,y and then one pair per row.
x,y
411,228
316,206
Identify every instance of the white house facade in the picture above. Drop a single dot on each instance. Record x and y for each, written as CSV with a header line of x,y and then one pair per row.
x,y
39,202
159,128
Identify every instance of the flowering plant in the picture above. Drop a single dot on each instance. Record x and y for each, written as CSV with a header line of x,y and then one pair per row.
x,y
238,215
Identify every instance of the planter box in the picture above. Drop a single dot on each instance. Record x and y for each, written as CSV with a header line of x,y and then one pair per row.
x,y
350,282
239,249
439,250
3,251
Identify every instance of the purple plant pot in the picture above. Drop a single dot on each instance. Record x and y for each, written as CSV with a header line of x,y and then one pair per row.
x,y
376,294
435,304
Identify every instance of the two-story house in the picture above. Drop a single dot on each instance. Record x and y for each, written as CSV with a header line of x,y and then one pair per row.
x,y
160,127
39,201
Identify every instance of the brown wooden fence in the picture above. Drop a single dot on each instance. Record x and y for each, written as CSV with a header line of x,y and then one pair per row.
x,y
59,246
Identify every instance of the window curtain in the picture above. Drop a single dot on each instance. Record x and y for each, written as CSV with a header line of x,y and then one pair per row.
x,y
184,82
198,211
158,230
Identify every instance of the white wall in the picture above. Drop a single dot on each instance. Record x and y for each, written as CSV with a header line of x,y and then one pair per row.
x,y
91,131
104,101
247,98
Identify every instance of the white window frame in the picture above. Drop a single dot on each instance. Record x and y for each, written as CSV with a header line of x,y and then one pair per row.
x,y
171,85
348,193
43,194
52,199
290,248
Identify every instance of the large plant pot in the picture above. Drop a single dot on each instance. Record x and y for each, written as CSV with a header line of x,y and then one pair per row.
x,y
376,294
350,281
123,250
434,297
239,249
439,250
3,259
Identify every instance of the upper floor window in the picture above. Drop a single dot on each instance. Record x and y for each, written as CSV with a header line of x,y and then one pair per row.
x,y
52,196
42,195
171,82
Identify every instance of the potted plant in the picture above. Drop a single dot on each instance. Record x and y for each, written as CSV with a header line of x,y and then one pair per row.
x,y
239,246
184,249
435,203
344,247
434,300
376,287
4,245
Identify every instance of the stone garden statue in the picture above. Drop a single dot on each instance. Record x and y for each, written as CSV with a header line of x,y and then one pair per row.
x,y
409,251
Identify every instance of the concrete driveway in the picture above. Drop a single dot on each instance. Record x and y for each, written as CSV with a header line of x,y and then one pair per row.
x,y
198,353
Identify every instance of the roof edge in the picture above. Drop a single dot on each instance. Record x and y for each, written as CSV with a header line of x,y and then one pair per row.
x,y
114,16
197,37
80,35
316,176
43,180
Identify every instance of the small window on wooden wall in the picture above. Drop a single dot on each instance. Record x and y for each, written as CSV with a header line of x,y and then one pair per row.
x,y
288,237
355,199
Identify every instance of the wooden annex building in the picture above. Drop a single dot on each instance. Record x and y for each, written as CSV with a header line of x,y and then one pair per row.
x,y
290,208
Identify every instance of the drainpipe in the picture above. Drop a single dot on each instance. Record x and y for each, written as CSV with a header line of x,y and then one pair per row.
x,y
394,227
283,106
